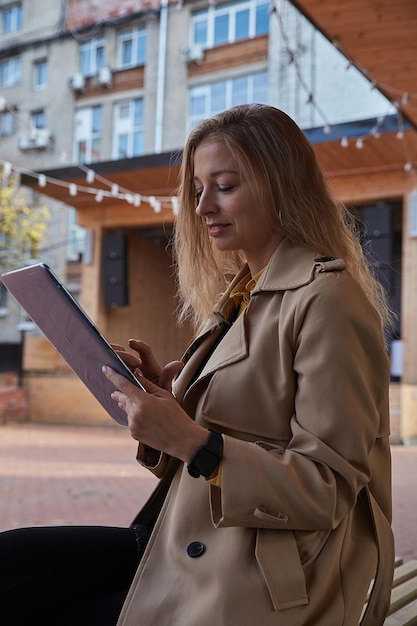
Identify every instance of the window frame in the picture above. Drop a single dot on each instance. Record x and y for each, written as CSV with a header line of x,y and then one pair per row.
x,y
127,128
7,123
86,117
12,18
137,35
4,298
207,18
38,119
12,68
207,93
92,56
40,74
76,237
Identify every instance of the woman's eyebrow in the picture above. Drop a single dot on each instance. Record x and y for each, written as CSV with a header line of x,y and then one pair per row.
x,y
217,172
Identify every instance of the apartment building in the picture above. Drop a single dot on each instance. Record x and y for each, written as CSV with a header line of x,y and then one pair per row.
x,y
97,97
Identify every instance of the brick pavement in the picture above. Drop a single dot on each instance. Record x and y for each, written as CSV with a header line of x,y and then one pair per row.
x,y
69,475
74,475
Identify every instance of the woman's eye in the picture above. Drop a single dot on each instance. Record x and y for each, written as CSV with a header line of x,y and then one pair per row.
x,y
198,196
226,188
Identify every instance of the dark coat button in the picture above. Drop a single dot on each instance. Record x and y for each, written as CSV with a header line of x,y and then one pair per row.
x,y
195,549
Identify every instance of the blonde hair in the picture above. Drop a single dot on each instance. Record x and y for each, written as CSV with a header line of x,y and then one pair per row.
x,y
273,153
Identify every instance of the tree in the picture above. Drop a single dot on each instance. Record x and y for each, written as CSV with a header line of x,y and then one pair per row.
x,y
23,225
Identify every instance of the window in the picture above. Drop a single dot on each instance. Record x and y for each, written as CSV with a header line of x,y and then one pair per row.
x,y
37,119
76,237
131,45
227,23
40,74
12,18
207,100
92,56
128,129
10,72
88,127
3,298
7,123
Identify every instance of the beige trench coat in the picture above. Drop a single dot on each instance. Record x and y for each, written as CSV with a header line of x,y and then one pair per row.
x,y
299,389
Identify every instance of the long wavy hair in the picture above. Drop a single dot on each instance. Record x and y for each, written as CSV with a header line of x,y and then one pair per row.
x,y
273,154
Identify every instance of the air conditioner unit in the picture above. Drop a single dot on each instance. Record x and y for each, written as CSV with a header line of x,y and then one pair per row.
x,y
77,82
104,76
193,54
36,139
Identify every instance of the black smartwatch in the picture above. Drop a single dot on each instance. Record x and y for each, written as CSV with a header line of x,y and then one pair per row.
x,y
207,457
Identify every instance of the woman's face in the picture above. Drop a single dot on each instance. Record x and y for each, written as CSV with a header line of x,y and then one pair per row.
x,y
233,215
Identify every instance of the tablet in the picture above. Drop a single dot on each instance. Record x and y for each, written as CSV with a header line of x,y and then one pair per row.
x,y
62,320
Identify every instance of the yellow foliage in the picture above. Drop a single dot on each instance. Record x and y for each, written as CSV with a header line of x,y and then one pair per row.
x,y
22,227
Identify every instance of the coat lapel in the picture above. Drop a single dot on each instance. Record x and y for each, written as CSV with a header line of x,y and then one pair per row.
x,y
199,355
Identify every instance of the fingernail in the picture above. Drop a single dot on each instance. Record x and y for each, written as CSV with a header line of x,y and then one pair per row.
x,y
104,369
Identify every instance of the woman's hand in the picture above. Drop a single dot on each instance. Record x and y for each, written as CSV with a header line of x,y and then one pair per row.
x,y
155,418
145,364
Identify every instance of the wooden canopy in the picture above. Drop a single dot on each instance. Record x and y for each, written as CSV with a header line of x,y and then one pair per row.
x,y
379,37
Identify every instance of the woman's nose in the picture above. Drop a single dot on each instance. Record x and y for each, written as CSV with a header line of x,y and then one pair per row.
x,y
205,205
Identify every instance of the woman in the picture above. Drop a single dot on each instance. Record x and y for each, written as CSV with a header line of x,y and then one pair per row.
x,y
290,520
274,503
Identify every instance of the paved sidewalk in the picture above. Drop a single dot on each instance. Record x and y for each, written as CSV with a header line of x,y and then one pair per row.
x,y
69,475
74,475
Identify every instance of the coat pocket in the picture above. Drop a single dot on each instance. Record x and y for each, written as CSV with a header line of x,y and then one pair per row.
x,y
279,561
310,543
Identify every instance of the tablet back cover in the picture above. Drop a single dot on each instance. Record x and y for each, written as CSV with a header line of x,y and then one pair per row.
x,y
59,316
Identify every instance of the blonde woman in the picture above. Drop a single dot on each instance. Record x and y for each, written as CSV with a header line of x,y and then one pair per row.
x,y
274,503
291,510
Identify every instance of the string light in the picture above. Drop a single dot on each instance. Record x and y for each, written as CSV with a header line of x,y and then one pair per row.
x,y
114,191
175,207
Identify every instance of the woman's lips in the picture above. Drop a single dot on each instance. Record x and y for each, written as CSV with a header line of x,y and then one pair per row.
x,y
215,230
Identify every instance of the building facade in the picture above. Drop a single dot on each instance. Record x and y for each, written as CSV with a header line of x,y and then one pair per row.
x,y
89,85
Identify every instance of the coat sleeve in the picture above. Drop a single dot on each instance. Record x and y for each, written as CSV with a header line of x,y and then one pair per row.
x,y
154,460
342,374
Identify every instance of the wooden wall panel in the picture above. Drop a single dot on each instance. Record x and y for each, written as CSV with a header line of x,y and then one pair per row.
x,y
150,315
368,187
122,80
241,53
64,399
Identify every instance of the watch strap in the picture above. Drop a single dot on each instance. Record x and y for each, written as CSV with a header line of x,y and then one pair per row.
x,y
207,457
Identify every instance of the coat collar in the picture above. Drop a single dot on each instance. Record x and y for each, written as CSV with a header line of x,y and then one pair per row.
x,y
290,267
